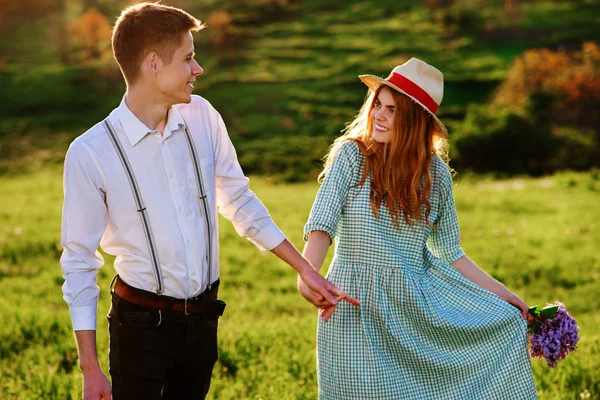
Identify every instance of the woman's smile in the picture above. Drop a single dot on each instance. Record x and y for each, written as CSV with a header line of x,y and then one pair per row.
x,y
380,128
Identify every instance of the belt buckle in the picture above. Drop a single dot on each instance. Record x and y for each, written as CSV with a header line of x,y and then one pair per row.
x,y
185,307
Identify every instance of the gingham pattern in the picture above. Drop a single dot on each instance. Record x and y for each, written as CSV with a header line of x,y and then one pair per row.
x,y
423,331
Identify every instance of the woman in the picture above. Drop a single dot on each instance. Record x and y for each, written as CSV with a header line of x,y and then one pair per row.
x,y
431,324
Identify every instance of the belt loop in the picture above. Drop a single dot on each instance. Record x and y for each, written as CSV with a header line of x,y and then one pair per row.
x,y
159,318
185,305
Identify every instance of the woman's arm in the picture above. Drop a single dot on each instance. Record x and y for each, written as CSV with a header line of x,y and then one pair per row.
x,y
316,248
472,272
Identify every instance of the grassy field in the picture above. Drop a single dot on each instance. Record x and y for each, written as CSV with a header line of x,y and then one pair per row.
x,y
538,236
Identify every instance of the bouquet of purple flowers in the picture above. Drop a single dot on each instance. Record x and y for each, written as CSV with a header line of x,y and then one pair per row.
x,y
553,333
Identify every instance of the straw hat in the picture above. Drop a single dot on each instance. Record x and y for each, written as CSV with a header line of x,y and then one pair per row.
x,y
423,83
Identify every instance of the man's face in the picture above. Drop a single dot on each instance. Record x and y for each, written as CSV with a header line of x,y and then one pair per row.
x,y
175,81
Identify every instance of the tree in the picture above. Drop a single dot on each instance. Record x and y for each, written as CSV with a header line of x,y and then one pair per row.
x,y
92,32
220,25
16,13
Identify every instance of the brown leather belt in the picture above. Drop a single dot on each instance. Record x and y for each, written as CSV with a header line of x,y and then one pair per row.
x,y
206,303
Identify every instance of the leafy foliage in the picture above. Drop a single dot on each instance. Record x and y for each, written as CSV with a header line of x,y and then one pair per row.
x,y
541,118
92,32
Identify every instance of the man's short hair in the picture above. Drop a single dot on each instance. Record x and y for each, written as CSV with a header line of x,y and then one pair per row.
x,y
147,27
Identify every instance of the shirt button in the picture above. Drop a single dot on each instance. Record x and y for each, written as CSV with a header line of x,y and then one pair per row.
x,y
193,273
179,208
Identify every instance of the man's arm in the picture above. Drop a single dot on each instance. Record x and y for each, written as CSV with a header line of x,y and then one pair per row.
x,y
84,220
251,219
95,384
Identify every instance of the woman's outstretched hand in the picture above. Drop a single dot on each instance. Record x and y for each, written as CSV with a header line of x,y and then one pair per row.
x,y
326,298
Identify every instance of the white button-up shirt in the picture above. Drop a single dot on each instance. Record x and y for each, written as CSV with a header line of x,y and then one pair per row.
x,y
99,207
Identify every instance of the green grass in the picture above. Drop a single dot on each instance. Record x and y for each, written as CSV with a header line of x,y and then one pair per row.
x,y
538,236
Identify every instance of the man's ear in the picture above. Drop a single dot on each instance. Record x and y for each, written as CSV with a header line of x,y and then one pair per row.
x,y
152,64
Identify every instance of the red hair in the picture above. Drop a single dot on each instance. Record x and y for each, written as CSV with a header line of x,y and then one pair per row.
x,y
399,170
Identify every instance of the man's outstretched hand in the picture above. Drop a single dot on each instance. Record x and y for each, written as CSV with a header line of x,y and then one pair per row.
x,y
322,293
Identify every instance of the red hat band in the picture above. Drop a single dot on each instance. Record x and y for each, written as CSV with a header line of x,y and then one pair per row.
x,y
414,90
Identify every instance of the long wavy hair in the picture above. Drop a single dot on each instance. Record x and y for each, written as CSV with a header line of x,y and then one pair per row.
x,y
399,169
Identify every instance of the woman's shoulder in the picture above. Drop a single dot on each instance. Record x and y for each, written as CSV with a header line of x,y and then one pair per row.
x,y
350,150
440,171
344,159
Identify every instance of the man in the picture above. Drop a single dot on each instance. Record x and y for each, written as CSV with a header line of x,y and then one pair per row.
x,y
145,184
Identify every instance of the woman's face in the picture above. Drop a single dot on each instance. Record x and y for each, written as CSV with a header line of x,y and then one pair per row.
x,y
382,116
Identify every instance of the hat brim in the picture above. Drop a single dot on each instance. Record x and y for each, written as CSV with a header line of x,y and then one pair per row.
x,y
374,83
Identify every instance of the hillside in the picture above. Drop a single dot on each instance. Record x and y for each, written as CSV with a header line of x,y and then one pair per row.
x,y
284,73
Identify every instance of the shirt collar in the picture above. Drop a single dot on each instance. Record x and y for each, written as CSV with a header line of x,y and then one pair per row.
x,y
174,120
136,130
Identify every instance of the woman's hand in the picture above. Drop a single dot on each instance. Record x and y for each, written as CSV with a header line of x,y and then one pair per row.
x,y
327,306
327,312
521,305
313,297
317,300
324,290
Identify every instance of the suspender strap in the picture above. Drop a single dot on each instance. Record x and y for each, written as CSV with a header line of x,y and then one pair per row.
x,y
204,208
139,204
203,202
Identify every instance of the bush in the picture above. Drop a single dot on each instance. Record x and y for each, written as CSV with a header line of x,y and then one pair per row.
x,y
572,78
497,139
502,139
542,117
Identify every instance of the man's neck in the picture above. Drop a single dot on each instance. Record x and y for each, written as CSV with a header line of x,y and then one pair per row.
x,y
148,108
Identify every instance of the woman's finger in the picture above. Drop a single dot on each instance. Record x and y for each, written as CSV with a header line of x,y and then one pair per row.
x,y
327,313
345,296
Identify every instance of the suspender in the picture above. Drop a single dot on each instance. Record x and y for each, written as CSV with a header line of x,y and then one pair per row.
x,y
203,200
142,209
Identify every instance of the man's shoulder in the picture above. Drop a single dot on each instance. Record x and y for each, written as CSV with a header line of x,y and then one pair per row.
x,y
93,138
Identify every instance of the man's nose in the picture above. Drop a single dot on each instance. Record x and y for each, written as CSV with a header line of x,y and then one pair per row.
x,y
198,69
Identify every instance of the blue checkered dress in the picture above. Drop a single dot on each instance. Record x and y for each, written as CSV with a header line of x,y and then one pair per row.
x,y
423,331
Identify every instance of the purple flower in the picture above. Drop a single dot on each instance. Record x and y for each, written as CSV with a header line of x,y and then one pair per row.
x,y
554,337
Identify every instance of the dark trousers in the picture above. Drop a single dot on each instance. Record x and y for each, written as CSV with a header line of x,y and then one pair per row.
x,y
160,355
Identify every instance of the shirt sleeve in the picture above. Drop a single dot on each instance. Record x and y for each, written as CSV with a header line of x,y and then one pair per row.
x,y
236,201
331,197
444,241
84,220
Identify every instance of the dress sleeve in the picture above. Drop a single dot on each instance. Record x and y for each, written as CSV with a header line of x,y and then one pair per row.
x,y
331,197
444,241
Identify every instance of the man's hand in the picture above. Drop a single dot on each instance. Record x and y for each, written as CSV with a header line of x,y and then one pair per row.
x,y
318,290
323,294
96,385
316,299
313,297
